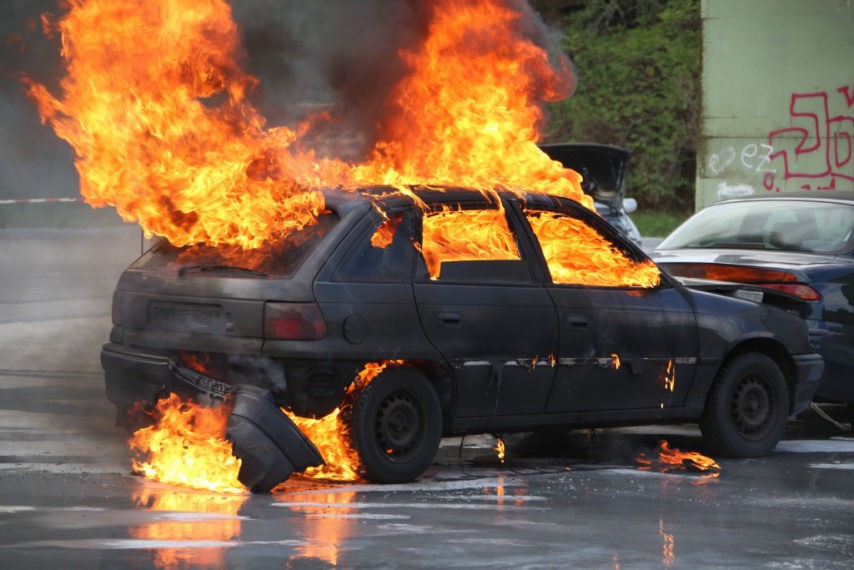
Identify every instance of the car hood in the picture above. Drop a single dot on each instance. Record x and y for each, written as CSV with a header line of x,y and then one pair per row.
x,y
603,168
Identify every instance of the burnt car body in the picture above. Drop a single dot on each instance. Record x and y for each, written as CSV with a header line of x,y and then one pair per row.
x,y
479,346
795,251
604,171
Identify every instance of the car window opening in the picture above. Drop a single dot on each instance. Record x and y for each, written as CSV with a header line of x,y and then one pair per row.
x,y
477,237
577,254
279,258
382,257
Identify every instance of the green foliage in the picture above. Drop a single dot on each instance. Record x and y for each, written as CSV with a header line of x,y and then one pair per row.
x,y
651,223
638,68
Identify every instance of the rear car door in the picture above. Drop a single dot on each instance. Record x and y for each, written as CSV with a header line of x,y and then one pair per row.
x,y
483,310
627,341
365,292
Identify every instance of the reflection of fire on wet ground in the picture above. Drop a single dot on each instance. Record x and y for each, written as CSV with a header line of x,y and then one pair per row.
x,y
192,530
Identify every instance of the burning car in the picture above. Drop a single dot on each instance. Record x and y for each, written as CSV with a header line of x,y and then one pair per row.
x,y
486,312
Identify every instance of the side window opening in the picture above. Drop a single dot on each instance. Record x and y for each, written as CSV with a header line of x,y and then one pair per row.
x,y
577,254
383,256
471,246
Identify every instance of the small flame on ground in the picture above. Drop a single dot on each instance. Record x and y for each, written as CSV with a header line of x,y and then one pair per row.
x,y
500,449
615,361
671,459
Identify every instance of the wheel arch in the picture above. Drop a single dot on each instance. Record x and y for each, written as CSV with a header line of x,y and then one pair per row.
x,y
776,351
440,378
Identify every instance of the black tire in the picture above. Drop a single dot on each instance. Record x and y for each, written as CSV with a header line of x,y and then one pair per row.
x,y
747,407
396,426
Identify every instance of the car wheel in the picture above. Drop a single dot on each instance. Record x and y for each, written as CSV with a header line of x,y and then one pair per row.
x,y
747,407
396,425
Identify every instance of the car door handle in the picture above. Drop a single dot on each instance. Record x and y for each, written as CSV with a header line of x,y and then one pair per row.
x,y
577,321
450,319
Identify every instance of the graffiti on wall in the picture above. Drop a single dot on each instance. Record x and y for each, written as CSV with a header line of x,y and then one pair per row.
x,y
817,151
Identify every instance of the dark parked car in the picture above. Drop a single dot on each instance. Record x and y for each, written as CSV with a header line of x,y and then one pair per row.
x,y
501,313
796,250
604,170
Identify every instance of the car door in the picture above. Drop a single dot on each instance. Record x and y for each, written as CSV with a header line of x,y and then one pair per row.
x,y
480,307
626,341
365,292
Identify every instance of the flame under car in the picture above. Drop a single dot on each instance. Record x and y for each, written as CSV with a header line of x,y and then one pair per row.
x,y
501,312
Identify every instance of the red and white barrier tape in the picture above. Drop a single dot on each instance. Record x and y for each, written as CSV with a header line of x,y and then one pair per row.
x,y
39,200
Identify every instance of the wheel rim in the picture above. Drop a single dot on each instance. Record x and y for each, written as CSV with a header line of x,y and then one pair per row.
x,y
400,426
752,407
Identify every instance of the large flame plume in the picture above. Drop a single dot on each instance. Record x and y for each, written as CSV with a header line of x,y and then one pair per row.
x,y
155,105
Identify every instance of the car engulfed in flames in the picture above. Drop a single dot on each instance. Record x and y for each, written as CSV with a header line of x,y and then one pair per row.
x,y
402,317
337,317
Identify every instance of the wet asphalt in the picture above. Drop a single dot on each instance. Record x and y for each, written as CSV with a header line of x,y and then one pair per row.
x,y
570,500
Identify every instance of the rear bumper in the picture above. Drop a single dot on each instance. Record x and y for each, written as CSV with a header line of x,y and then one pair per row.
x,y
809,371
131,376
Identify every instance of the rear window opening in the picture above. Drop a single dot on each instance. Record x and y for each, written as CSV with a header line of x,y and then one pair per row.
x,y
278,259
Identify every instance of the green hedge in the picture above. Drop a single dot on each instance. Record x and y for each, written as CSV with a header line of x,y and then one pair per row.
x,y
638,68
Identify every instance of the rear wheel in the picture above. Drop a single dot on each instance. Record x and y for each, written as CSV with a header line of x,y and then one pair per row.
x,y
747,407
396,426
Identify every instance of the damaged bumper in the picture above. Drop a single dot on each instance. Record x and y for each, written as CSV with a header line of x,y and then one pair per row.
x,y
268,443
809,371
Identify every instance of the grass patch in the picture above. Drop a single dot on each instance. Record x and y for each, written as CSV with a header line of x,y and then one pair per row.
x,y
657,224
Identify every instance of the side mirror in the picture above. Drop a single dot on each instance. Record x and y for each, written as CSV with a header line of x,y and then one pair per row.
x,y
630,205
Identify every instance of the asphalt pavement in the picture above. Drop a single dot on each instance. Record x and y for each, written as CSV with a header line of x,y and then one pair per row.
x,y
581,499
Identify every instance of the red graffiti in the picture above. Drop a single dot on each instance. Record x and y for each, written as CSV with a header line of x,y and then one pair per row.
x,y
819,146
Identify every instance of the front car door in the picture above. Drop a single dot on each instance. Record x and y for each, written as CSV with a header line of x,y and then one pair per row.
x,y
482,308
627,340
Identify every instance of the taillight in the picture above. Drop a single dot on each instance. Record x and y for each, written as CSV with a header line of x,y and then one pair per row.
x,y
293,321
799,290
776,279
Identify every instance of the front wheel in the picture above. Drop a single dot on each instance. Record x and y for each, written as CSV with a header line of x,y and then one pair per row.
x,y
396,426
747,407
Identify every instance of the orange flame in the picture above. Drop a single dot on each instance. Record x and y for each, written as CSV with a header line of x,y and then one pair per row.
x,y
576,254
500,449
615,361
669,377
447,237
470,115
672,459
330,434
187,446
155,106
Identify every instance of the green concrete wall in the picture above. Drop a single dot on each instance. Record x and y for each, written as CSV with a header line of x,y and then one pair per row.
x,y
777,98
